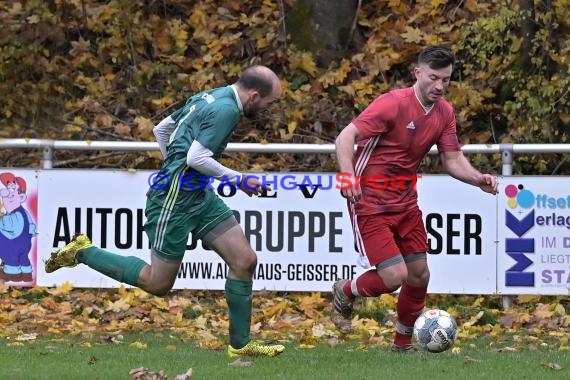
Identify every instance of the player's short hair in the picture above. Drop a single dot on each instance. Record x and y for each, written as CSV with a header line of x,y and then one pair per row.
x,y
436,57
257,78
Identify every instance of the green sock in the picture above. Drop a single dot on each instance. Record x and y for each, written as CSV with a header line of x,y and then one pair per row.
x,y
121,268
238,295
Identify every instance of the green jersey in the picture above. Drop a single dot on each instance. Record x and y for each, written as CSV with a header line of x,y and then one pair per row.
x,y
210,118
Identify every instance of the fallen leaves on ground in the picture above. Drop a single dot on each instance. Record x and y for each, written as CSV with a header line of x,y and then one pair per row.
x,y
553,366
301,319
240,363
143,373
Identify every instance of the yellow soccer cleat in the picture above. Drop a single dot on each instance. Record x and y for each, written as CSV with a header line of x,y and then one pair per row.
x,y
65,257
256,349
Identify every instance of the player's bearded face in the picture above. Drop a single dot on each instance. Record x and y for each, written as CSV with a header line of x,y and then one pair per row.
x,y
253,106
256,104
432,83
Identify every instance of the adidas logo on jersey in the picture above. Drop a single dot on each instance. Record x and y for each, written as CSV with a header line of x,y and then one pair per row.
x,y
411,125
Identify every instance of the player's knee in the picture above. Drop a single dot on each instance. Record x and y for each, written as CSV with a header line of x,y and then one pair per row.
x,y
394,282
424,278
249,262
394,277
157,288
245,265
419,278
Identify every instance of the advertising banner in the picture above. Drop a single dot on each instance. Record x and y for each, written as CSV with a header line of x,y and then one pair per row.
x,y
461,224
534,236
300,230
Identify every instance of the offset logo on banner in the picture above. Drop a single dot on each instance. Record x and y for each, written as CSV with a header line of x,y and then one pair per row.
x,y
534,233
18,226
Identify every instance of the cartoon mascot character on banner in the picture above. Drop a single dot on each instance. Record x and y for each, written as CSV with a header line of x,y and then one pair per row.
x,y
17,228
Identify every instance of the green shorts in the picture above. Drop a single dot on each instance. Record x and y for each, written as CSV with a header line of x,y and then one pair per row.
x,y
168,231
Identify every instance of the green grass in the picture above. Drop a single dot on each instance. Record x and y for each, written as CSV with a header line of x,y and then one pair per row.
x,y
58,358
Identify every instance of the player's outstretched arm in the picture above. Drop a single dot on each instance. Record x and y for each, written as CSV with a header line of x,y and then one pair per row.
x,y
162,132
457,166
344,148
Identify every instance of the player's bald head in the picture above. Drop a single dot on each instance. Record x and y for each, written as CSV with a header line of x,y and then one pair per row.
x,y
261,79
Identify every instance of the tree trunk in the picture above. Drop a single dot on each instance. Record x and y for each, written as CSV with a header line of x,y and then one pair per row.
x,y
323,27
528,30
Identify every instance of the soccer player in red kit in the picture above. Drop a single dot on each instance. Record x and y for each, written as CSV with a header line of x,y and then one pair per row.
x,y
393,134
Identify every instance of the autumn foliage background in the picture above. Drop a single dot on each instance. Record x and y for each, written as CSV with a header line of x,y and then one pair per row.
x,y
110,70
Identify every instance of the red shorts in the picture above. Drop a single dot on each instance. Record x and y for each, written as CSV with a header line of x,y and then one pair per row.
x,y
382,237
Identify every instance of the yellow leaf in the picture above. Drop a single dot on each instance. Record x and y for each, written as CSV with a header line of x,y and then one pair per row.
x,y
104,120
275,309
292,126
162,102
80,46
155,154
437,3
198,19
559,310
432,40
528,299
144,126
305,346
472,5
543,311
474,319
303,61
62,289
33,19
16,8
412,35
122,129
388,300
171,347
25,337
118,306
72,128
162,42
138,345
77,325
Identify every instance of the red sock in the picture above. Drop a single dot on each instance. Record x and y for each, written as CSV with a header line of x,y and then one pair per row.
x,y
411,302
368,284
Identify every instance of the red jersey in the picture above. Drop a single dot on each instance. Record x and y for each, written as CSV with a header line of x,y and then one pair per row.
x,y
397,133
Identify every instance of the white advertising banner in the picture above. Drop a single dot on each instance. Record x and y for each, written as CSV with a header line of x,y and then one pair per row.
x,y
534,236
462,225
301,233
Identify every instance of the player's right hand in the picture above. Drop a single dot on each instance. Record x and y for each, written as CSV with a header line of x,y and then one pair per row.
x,y
253,186
352,194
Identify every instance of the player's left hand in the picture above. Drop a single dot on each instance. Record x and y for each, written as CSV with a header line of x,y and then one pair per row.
x,y
489,184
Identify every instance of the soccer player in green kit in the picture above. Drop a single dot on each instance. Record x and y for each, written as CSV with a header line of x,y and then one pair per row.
x,y
179,203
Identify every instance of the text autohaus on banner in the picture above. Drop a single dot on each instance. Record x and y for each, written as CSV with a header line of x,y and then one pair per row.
x,y
299,229
302,234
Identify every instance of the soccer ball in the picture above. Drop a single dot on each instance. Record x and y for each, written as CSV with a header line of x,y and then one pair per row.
x,y
435,330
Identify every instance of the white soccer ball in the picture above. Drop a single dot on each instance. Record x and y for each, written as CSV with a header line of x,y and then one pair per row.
x,y
435,330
